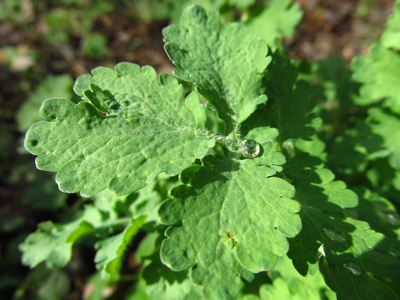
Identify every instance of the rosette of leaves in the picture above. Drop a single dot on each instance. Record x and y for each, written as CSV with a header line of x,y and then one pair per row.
x,y
233,214
132,125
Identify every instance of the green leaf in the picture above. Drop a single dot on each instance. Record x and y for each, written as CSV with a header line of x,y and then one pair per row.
x,y
382,124
147,129
156,280
348,250
232,216
111,250
95,46
44,284
276,21
391,36
51,86
242,4
343,276
289,284
379,73
380,214
290,103
225,63
53,243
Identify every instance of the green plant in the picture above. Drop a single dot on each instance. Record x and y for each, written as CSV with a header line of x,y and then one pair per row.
x,y
270,19
257,204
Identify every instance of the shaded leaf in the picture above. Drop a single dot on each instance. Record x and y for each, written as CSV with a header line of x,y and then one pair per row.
x,y
111,250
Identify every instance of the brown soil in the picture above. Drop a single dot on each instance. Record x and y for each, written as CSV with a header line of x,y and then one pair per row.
x,y
337,28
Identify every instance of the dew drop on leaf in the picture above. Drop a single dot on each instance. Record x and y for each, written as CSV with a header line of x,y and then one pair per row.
x,y
335,234
353,268
250,148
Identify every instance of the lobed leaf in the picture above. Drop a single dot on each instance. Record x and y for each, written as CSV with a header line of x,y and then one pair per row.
x,y
379,74
157,281
225,63
289,284
111,250
52,243
350,253
147,129
290,103
231,216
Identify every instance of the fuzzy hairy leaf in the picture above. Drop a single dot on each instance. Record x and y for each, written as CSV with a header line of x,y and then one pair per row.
x,y
225,63
147,129
230,215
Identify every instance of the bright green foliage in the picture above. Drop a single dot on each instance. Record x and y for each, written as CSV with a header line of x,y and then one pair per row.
x,y
53,243
382,124
111,250
275,21
228,77
289,284
381,215
147,129
245,203
52,86
391,36
272,19
242,3
157,281
380,74
241,223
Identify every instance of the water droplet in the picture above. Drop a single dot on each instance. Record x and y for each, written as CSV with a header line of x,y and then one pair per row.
x,y
353,268
250,148
321,251
335,234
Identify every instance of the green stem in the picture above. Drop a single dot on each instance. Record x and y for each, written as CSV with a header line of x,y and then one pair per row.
x,y
114,223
